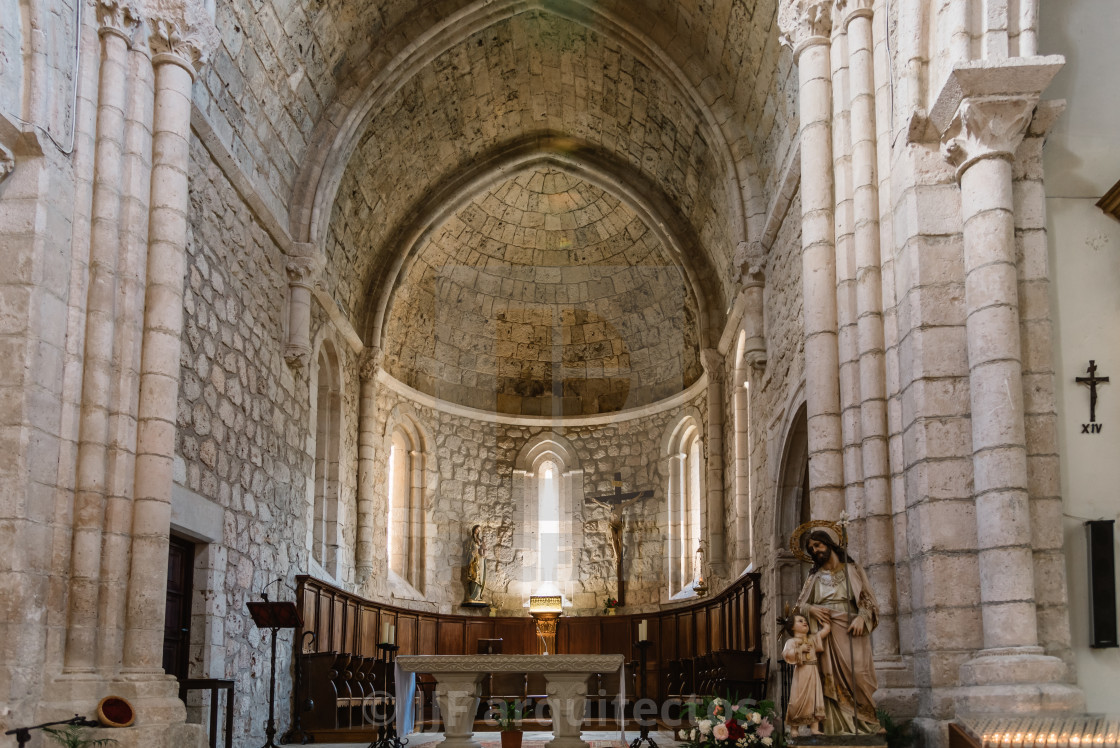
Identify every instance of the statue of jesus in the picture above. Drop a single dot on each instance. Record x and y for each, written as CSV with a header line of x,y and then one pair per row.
x,y
615,522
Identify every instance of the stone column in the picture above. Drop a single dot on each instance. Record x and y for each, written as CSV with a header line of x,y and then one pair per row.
x,y
135,192
750,356
367,454
567,695
805,26
982,141
302,270
457,695
175,59
117,23
876,518
713,365
1012,669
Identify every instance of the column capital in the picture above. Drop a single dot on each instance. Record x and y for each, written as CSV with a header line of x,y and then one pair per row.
x,y
370,363
750,259
849,10
986,127
302,271
116,17
182,43
804,23
712,361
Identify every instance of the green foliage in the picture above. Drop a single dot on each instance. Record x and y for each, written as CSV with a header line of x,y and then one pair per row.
x,y
71,737
508,714
899,734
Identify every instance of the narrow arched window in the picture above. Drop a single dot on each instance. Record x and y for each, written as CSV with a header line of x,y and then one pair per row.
x,y
405,518
548,522
328,432
684,453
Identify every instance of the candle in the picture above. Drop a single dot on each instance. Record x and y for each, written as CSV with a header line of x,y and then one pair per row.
x,y
392,634
385,632
643,630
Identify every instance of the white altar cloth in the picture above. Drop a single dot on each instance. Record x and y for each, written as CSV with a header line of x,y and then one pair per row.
x,y
458,678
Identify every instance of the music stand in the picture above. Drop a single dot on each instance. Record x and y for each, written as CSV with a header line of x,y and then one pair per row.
x,y
275,616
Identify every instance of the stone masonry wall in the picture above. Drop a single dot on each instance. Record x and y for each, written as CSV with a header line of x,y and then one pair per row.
x,y
471,482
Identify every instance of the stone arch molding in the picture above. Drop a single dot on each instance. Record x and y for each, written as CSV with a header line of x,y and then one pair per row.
x,y
576,156
340,128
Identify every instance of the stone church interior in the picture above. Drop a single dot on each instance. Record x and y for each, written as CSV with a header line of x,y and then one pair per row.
x,y
557,329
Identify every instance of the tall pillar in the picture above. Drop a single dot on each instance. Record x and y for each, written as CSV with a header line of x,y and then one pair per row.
x,y
806,25
876,518
1011,672
175,60
135,193
717,546
367,454
117,23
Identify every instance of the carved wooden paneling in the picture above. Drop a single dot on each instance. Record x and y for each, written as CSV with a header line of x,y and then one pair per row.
x,y
370,632
407,626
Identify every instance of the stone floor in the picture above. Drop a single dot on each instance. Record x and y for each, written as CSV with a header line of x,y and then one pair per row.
x,y
663,738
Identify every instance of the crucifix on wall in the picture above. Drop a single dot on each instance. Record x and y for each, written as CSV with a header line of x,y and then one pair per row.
x,y
616,504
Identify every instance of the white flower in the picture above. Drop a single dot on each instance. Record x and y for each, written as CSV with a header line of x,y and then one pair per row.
x,y
719,732
683,734
742,741
756,718
705,726
768,741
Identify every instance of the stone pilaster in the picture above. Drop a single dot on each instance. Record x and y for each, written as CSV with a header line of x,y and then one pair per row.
x,y
457,695
302,270
806,26
117,22
567,694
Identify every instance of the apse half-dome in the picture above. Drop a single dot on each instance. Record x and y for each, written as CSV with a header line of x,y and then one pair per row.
x,y
544,295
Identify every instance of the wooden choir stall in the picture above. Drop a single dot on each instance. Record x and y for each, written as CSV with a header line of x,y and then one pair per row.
x,y
346,670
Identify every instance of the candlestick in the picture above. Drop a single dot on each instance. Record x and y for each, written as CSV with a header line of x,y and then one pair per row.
x,y
385,632
643,630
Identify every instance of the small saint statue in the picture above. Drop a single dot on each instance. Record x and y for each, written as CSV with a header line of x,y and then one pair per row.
x,y
806,697
476,569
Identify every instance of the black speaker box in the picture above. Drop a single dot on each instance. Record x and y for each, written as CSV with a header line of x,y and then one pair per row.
x,y
1102,583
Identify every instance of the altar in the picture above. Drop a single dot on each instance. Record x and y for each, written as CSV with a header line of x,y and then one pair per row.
x,y
457,690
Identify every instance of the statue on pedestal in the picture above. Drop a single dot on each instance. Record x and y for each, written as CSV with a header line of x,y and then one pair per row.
x,y
840,606
476,569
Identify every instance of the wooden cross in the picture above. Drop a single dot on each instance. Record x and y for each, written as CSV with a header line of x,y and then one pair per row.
x,y
615,503
1092,380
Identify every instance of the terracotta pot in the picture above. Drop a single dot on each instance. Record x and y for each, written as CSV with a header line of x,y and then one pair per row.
x,y
114,711
511,738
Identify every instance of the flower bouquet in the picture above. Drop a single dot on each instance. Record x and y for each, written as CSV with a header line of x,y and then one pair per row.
x,y
610,605
721,723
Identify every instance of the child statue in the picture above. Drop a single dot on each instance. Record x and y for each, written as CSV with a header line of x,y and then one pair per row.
x,y
806,697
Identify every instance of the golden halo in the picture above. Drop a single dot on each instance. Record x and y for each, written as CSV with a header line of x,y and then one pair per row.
x,y
840,535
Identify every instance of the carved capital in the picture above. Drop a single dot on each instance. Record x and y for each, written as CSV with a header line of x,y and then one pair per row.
x,y
750,258
712,361
986,128
297,356
180,42
849,10
804,22
116,17
370,364
302,271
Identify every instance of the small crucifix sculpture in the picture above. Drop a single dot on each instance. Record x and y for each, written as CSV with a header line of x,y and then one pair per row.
x,y
616,503
1092,380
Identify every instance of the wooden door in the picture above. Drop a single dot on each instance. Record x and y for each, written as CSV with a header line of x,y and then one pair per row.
x,y
177,619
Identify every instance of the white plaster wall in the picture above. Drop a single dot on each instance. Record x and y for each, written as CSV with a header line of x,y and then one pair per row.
x,y
1082,159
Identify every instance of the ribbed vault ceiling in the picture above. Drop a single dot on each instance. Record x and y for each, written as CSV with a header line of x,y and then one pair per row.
x,y
544,295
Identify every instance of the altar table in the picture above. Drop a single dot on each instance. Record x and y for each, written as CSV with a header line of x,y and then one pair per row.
x,y
458,679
